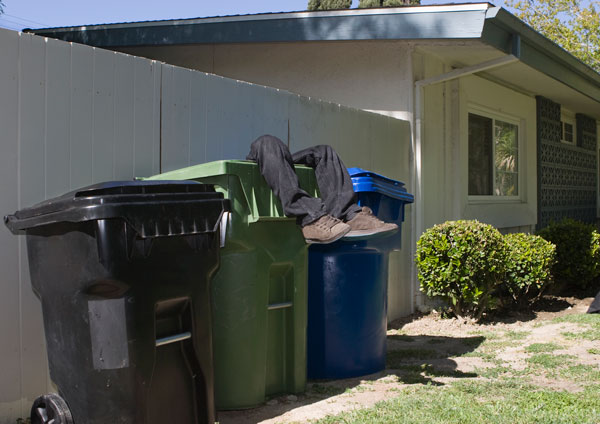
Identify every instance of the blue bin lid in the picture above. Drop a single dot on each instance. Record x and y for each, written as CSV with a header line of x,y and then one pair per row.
x,y
367,181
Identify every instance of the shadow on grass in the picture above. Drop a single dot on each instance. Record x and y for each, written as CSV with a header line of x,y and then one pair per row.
x,y
552,302
512,313
398,323
410,359
420,359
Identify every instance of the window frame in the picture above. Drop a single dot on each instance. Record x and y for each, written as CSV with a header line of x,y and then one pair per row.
x,y
510,119
567,117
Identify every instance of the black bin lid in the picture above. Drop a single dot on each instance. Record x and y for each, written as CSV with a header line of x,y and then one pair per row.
x,y
152,208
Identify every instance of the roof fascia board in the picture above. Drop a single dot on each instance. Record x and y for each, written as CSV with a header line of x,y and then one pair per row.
x,y
445,23
540,53
283,15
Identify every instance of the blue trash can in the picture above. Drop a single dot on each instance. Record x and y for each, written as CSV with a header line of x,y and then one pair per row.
x,y
347,288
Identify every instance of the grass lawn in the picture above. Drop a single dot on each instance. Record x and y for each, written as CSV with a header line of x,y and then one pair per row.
x,y
507,401
540,371
543,367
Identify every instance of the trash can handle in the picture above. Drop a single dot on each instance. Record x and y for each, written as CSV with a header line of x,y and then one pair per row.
x,y
282,305
173,339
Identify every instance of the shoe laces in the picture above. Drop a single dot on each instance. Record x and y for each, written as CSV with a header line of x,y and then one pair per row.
x,y
367,210
327,222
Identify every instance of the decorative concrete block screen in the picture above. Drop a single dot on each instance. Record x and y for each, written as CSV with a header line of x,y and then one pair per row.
x,y
567,174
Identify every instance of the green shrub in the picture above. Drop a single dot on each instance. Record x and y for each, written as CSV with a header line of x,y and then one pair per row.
x,y
577,252
462,262
528,266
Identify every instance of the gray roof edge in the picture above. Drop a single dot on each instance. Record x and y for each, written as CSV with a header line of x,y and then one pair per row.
x,y
267,16
462,21
584,74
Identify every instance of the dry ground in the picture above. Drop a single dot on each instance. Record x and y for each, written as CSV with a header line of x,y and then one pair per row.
x,y
548,347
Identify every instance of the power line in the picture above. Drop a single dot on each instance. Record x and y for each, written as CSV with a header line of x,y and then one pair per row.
x,y
19,24
8,26
25,20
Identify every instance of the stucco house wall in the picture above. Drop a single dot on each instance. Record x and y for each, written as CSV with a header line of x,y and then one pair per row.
x,y
477,94
369,75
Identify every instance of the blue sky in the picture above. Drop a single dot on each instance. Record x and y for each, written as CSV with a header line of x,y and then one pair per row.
x,y
19,14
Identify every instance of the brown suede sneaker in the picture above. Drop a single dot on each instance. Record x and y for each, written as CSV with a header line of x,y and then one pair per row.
x,y
365,223
326,229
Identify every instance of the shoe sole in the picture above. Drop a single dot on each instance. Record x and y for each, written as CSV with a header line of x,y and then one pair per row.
x,y
328,241
372,232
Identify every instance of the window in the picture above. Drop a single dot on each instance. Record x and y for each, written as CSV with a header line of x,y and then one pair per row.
x,y
493,156
567,122
567,132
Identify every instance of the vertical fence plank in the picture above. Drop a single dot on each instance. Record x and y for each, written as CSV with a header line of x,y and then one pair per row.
x,y
166,84
33,119
198,124
146,134
223,117
301,130
80,128
103,121
309,124
269,109
236,139
58,109
391,136
237,113
124,78
57,141
32,162
157,136
10,365
176,116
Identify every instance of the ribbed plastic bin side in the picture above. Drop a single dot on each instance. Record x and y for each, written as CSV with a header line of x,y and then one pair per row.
x,y
123,272
347,310
259,294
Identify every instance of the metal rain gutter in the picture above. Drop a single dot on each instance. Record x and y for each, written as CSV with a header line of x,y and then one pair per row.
x,y
540,53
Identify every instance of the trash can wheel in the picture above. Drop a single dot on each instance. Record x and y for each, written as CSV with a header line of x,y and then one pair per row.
x,y
50,409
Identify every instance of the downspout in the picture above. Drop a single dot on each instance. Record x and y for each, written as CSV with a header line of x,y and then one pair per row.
x,y
418,209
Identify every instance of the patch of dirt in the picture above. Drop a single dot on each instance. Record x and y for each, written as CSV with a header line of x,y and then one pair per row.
x,y
427,349
355,393
473,364
555,384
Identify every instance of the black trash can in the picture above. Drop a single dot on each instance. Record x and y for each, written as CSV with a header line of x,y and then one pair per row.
x,y
123,270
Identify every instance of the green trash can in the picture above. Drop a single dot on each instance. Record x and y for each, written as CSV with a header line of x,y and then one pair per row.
x,y
259,294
